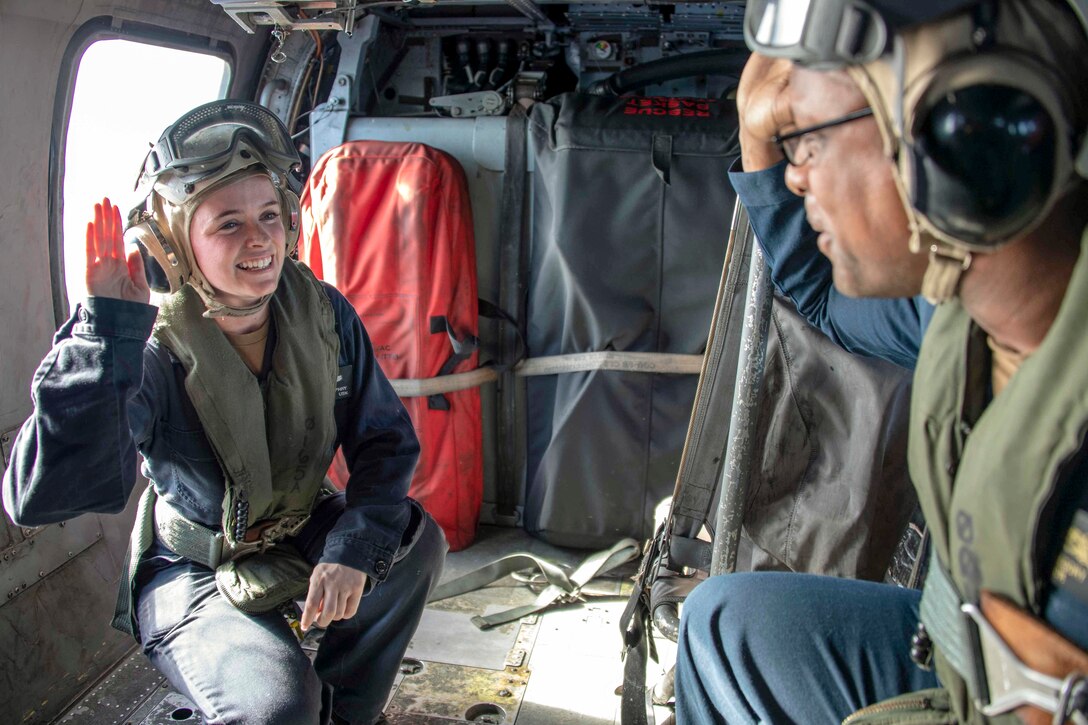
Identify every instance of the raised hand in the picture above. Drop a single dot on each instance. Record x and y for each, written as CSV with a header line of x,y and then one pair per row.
x,y
764,109
335,592
109,273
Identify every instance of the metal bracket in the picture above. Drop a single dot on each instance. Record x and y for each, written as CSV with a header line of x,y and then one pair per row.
x,y
44,551
465,105
330,119
528,85
1011,683
7,440
323,14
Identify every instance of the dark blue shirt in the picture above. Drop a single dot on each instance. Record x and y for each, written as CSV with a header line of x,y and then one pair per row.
x,y
105,391
890,329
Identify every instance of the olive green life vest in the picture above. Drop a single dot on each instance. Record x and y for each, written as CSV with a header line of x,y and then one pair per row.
x,y
274,445
988,472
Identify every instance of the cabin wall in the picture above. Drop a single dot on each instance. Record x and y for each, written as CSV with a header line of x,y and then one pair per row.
x,y
58,583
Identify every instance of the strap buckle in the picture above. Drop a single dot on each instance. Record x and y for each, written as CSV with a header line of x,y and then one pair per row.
x,y
1012,684
209,547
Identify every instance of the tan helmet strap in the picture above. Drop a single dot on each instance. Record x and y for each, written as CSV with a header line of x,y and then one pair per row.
x,y
946,267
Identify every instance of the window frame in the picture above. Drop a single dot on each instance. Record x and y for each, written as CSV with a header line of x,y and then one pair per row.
x,y
91,32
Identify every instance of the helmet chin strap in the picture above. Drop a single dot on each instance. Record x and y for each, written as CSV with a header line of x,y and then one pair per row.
x,y
946,267
947,262
218,309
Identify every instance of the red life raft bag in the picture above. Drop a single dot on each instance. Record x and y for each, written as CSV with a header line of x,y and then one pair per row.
x,y
390,226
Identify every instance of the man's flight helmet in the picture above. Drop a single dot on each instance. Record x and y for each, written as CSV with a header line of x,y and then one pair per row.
x,y
978,102
210,146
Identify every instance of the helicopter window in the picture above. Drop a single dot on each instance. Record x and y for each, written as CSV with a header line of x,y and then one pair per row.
x,y
126,92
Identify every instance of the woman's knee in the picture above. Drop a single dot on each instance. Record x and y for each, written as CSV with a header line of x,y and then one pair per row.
x,y
430,547
296,701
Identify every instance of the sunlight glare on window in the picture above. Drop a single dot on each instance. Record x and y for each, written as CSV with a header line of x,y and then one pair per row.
x,y
126,94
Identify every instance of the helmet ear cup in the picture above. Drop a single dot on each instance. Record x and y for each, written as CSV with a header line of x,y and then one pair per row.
x,y
987,147
164,267
153,271
984,163
291,209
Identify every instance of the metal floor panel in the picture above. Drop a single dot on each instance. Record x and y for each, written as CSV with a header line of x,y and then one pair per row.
x,y
561,668
451,638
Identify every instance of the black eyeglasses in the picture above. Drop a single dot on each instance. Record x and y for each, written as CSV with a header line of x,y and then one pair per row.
x,y
790,143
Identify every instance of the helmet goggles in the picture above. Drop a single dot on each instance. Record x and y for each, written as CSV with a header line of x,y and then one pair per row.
x,y
832,33
213,141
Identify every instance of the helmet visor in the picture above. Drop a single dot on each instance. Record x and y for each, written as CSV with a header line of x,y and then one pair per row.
x,y
207,138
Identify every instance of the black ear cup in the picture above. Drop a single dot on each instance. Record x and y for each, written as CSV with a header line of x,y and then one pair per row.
x,y
153,271
985,160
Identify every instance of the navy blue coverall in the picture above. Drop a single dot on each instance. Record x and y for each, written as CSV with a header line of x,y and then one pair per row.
x,y
105,391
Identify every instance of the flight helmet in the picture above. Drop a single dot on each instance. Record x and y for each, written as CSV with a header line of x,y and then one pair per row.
x,y
209,147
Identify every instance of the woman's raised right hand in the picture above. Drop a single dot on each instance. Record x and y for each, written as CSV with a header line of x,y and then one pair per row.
x,y
109,273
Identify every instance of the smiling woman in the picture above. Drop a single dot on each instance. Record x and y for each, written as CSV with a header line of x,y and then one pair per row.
x,y
238,242
268,371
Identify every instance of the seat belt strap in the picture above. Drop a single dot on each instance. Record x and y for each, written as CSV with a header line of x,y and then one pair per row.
x,y
563,587
636,707
142,535
480,578
946,623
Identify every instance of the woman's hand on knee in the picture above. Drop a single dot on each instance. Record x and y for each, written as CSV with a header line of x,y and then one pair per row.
x,y
335,592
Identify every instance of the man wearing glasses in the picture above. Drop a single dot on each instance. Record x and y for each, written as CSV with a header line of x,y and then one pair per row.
x,y
889,328
939,148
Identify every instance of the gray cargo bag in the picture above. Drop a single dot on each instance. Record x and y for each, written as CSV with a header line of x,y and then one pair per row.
x,y
631,214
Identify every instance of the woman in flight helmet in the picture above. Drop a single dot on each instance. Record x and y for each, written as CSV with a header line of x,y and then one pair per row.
x,y
236,392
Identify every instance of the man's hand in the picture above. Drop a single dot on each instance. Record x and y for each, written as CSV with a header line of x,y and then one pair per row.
x,y
764,110
335,592
109,274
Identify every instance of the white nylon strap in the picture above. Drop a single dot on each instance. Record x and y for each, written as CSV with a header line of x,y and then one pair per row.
x,y
635,362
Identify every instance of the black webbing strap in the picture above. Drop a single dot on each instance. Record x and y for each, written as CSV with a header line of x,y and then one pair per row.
x,y
701,461
463,348
694,553
513,280
491,311
675,544
636,707
563,587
